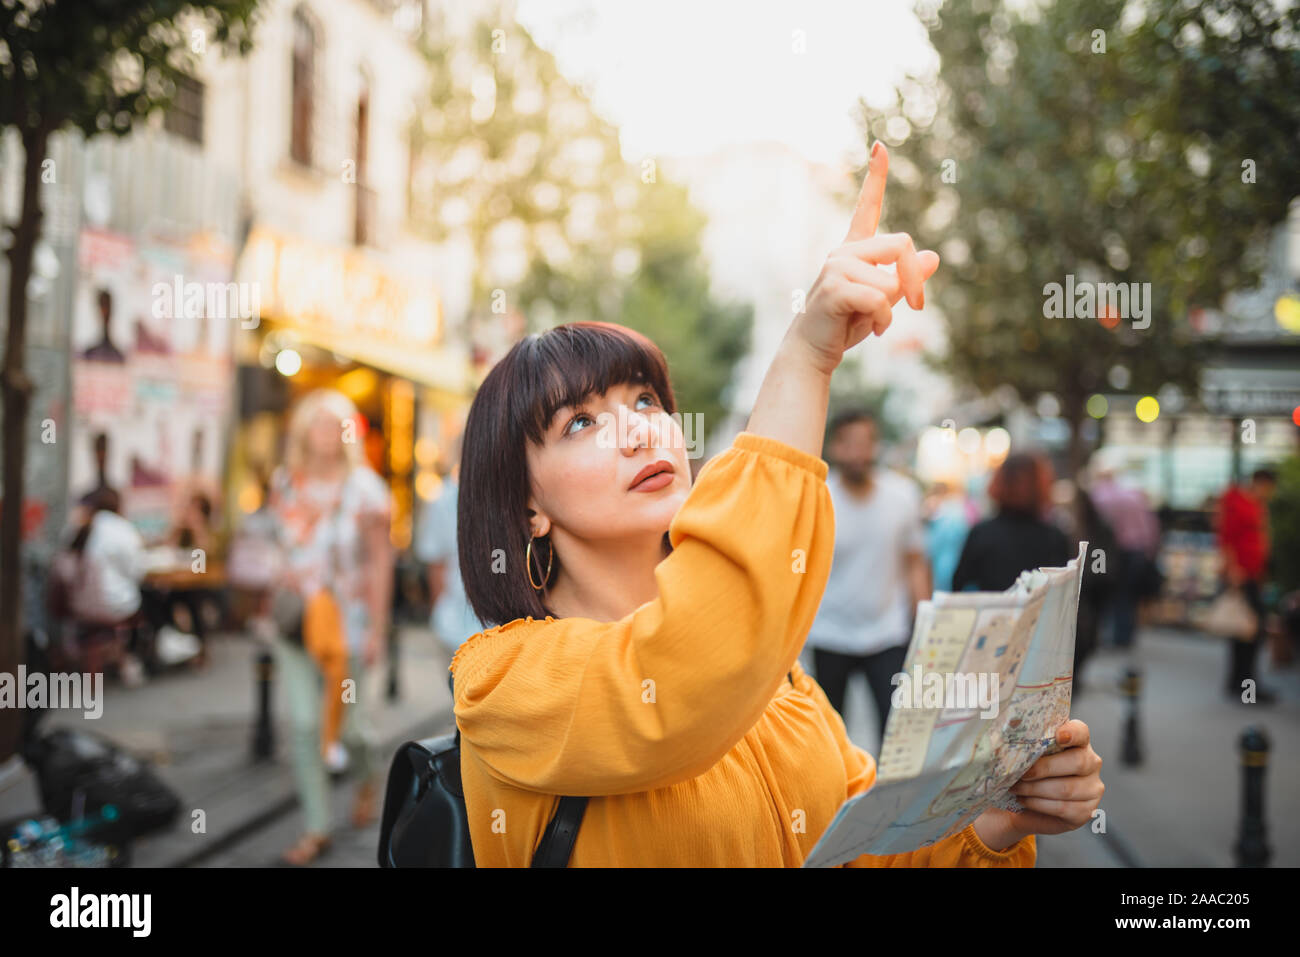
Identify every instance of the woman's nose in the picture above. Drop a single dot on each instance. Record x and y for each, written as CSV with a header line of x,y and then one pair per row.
x,y
639,430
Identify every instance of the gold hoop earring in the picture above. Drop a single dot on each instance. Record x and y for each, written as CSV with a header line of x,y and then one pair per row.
x,y
528,561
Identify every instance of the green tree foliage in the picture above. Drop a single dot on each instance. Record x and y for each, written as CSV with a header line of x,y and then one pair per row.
x,y
668,299
1118,142
507,149
507,152
1285,521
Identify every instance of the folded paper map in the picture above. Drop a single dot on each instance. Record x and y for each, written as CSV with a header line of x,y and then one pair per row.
x,y
983,690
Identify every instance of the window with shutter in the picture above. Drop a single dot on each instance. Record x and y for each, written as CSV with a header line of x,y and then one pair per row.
x,y
304,83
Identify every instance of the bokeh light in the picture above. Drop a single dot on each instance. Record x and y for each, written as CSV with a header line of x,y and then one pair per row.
x,y
1148,408
997,442
968,441
288,362
1287,312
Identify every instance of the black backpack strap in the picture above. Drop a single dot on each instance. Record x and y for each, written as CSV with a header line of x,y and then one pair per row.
x,y
561,833
451,686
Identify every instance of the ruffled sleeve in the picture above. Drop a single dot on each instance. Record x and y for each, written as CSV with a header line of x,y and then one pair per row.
x,y
582,707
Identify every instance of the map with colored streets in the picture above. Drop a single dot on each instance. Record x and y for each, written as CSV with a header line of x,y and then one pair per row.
x,y
946,758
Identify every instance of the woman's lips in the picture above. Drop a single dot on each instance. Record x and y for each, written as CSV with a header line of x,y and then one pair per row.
x,y
654,476
656,481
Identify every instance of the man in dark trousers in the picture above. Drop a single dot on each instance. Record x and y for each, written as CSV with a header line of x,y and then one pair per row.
x,y
879,571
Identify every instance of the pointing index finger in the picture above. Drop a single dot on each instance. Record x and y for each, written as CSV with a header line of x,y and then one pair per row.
x,y
872,198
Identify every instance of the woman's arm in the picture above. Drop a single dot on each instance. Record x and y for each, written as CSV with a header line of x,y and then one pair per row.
x,y
851,298
379,581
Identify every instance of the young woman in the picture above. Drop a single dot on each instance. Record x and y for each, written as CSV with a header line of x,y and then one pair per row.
x,y
645,633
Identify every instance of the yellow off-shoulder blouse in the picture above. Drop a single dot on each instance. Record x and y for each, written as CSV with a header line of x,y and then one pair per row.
x,y
679,720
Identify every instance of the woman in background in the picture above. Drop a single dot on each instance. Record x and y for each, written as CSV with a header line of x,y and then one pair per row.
x,y
1018,536
332,512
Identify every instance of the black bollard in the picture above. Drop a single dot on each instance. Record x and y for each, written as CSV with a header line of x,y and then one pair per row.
x,y
1252,848
264,729
1131,749
394,692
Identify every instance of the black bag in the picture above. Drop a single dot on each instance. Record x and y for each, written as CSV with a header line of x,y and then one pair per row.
x,y
73,764
425,823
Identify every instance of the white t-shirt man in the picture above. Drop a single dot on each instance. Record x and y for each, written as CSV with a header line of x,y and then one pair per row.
x,y
867,606
112,567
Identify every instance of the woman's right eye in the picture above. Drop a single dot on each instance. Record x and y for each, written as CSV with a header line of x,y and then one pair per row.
x,y
569,430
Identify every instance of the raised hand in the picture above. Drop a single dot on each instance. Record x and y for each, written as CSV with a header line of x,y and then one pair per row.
x,y
853,296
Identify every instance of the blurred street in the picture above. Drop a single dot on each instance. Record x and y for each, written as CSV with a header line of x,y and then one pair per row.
x,y
198,728
336,320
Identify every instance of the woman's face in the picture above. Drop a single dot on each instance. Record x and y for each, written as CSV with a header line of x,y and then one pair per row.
x,y
584,478
325,436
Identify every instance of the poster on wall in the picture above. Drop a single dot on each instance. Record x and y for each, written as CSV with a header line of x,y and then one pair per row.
x,y
152,371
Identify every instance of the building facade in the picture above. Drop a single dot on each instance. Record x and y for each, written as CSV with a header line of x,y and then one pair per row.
x,y
264,214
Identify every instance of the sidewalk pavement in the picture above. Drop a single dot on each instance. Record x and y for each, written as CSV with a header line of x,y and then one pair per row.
x,y
1182,806
197,729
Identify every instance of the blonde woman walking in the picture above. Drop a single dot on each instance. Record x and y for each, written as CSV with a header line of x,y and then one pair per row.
x,y
332,513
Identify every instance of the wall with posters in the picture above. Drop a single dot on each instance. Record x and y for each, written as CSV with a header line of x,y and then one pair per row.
x,y
152,372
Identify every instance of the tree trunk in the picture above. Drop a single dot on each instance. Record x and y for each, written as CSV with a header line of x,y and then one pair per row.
x,y
17,391
1077,454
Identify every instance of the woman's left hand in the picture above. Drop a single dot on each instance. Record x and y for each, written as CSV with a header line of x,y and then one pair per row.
x,y
1059,791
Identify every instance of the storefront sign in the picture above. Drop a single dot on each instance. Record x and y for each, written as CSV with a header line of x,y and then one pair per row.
x,y
339,292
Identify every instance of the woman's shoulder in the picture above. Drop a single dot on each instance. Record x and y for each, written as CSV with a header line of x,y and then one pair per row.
x,y
365,476
488,644
368,486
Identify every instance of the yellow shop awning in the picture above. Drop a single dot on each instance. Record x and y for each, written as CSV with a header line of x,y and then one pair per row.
x,y
440,369
343,300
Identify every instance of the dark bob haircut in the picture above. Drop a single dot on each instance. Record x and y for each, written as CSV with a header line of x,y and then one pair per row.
x,y
541,374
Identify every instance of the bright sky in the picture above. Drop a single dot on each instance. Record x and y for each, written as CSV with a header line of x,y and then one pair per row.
x,y
686,77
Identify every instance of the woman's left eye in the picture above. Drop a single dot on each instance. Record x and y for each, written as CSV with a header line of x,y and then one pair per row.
x,y
650,396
